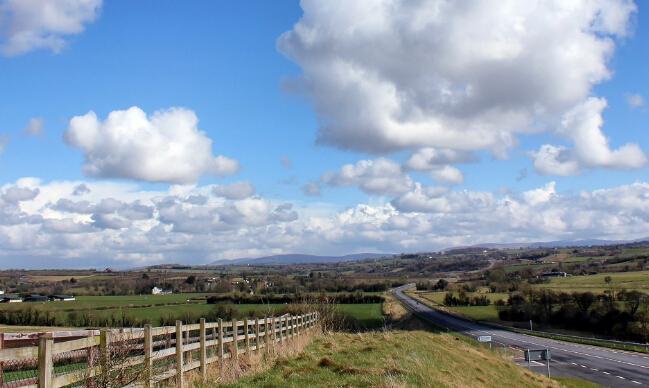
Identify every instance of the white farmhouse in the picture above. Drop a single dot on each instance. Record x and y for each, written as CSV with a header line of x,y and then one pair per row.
x,y
160,291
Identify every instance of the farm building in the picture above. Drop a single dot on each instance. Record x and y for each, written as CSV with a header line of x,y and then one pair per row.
x,y
554,275
62,298
7,298
36,298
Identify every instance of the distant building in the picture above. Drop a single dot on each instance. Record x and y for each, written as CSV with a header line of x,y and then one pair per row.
x,y
160,291
554,275
10,299
62,298
36,298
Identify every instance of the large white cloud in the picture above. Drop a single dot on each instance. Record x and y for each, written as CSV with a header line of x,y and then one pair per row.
x,y
111,223
468,75
27,25
165,147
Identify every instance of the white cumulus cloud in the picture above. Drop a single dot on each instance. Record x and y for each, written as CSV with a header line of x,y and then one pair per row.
x,y
379,176
428,158
583,124
27,25
447,174
237,190
469,75
118,223
164,147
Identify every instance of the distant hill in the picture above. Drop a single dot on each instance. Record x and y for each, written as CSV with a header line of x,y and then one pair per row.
x,y
297,258
559,244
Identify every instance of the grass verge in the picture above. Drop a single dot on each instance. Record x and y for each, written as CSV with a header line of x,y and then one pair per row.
x,y
394,359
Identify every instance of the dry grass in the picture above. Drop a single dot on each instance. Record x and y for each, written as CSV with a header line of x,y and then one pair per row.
x,y
394,359
253,363
393,309
397,317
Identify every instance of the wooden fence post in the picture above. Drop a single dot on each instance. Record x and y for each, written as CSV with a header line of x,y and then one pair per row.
x,y
291,319
148,353
220,348
267,329
45,362
257,338
267,334
281,328
104,350
246,329
203,352
235,339
180,383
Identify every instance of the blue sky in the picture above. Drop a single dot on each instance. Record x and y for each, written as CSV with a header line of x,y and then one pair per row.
x,y
264,101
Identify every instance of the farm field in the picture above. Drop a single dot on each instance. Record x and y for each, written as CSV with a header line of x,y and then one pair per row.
x,y
99,302
162,309
638,280
479,313
438,296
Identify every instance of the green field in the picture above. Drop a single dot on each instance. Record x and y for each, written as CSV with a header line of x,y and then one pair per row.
x,y
479,313
368,315
158,309
638,280
438,296
100,302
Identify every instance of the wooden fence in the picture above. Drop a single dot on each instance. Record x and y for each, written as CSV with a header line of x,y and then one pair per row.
x,y
149,355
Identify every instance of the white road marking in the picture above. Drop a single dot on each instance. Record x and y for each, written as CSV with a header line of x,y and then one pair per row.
x,y
620,377
606,373
636,382
570,351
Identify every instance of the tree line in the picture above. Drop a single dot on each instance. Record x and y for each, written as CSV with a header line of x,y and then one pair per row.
x,y
347,298
622,314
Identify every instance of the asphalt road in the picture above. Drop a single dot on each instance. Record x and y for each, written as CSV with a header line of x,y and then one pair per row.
x,y
608,367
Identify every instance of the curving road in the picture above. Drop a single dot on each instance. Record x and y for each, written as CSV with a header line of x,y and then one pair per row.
x,y
608,367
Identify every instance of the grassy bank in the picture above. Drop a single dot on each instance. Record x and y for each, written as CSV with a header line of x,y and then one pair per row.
x,y
395,358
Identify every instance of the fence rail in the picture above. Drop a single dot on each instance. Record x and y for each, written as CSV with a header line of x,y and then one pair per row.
x,y
144,356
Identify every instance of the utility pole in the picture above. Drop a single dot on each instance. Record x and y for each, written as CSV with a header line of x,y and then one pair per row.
x,y
531,325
